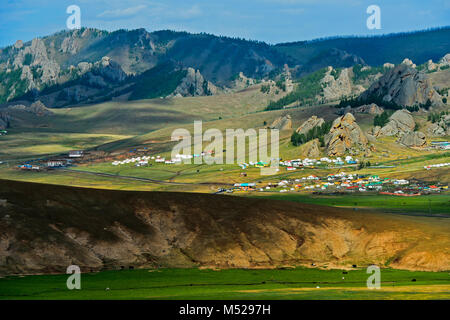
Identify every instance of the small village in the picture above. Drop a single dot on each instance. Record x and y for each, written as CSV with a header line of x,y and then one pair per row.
x,y
340,182
345,183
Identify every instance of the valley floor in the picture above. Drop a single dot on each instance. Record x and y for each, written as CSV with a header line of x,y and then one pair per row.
x,y
210,178
104,132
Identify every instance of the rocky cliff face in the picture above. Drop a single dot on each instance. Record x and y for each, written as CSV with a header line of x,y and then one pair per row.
x,y
35,57
404,86
345,136
309,124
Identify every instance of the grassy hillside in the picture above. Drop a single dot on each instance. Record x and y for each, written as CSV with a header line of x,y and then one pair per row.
x,y
158,229
119,120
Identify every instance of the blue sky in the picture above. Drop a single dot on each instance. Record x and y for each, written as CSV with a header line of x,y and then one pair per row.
x,y
272,21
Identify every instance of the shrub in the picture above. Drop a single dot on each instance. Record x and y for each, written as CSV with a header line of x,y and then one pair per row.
x,y
265,88
381,119
317,132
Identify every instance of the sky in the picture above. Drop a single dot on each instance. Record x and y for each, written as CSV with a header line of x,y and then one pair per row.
x,y
272,21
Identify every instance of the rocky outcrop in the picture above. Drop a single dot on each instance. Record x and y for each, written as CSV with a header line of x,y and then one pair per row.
x,y
288,83
441,127
336,88
369,108
413,139
83,67
32,62
404,86
345,136
72,43
47,68
309,124
242,82
194,84
445,61
282,123
39,109
399,123
18,44
109,70
388,65
431,66
436,131
311,149
375,131
409,63
36,108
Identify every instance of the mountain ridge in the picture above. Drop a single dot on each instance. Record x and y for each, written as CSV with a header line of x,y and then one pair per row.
x,y
36,65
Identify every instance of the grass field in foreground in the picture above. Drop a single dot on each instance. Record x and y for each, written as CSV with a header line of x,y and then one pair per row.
x,y
299,283
434,204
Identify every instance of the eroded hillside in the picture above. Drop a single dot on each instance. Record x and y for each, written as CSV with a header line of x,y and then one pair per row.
x,y
46,228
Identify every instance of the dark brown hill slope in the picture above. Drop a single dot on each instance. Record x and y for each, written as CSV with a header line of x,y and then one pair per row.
x,y
45,228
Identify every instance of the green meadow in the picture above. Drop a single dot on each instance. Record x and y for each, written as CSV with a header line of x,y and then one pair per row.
x,y
438,204
298,283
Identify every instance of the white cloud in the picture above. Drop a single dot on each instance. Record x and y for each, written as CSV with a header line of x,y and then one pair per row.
x,y
189,13
157,11
122,13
